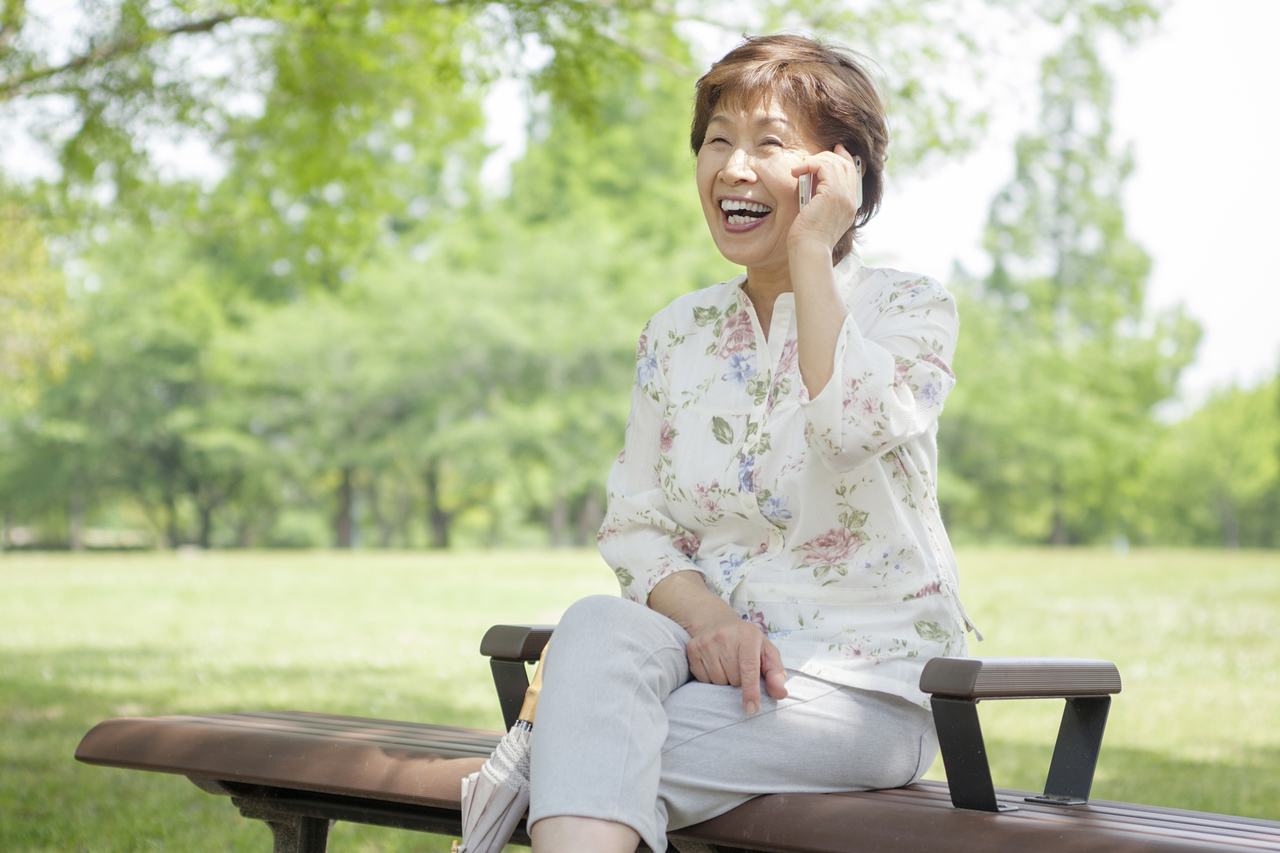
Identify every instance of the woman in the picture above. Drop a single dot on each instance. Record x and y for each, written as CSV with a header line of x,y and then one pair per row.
x,y
774,506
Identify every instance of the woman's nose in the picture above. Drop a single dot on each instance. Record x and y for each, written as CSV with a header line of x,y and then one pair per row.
x,y
738,167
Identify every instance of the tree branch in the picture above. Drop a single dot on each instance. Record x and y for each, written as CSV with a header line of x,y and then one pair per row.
x,y
14,86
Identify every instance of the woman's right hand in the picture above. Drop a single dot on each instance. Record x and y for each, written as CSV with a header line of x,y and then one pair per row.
x,y
723,648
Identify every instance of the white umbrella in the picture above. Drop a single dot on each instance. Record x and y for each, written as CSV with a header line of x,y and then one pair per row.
x,y
495,798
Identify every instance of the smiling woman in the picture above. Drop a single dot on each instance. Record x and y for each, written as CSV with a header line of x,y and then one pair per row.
x,y
772,517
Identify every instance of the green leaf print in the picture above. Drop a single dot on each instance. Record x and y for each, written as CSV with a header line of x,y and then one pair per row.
x,y
853,519
932,631
624,577
706,316
721,430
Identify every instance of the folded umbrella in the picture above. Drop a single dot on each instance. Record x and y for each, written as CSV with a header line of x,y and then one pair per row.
x,y
495,798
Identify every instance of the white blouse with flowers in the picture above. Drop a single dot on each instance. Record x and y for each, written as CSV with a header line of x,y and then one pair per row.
x,y
816,519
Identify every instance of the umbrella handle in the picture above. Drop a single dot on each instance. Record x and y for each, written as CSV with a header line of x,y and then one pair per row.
x,y
535,689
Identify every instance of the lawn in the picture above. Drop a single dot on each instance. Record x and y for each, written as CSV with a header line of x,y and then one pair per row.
x,y
395,635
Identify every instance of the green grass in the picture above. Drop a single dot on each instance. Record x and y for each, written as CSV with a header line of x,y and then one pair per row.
x,y
395,635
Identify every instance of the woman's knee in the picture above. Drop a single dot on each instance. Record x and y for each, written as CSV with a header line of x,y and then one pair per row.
x,y
598,614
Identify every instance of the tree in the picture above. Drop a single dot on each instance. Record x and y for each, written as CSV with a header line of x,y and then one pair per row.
x,y
1060,365
1214,477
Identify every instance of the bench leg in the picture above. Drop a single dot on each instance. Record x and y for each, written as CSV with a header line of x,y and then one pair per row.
x,y
965,755
292,833
1075,756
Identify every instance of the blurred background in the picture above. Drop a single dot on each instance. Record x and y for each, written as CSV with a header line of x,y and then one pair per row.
x,y
365,277
369,274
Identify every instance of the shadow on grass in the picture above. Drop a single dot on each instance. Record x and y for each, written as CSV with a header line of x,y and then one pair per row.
x,y
48,701
1249,786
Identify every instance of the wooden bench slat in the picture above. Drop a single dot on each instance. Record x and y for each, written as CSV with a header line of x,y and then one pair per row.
x,y
423,765
240,748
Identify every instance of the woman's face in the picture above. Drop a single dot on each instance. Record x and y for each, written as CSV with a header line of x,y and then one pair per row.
x,y
744,181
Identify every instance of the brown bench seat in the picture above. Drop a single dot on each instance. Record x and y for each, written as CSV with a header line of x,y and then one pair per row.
x,y
279,766
298,771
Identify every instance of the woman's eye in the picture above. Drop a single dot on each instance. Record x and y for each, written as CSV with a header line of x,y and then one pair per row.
x,y
715,139
777,142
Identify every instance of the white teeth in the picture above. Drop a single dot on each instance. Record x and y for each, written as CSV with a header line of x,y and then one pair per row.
x,y
754,207
741,220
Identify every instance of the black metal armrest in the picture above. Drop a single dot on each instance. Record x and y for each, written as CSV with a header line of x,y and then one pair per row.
x,y
508,648
959,684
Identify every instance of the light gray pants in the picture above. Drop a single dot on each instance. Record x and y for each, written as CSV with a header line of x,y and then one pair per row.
x,y
624,733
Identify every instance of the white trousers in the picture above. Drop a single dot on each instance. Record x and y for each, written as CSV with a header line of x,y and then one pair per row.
x,y
624,733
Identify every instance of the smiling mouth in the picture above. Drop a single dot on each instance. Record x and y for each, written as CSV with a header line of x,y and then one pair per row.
x,y
744,212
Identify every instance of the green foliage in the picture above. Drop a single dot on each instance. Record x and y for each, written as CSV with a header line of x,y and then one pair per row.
x,y
1060,366
1214,478
37,321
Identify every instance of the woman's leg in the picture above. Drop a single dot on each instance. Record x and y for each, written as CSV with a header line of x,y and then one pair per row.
x,y
624,740
600,725
820,738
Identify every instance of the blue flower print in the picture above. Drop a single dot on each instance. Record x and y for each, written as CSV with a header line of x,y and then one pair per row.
x,y
746,474
741,368
929,394
775,509
646,368
728,565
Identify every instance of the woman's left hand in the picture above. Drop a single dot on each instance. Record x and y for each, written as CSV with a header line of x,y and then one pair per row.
x,y
837,193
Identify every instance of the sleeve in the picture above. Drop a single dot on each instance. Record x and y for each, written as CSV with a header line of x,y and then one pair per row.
x,y
888,384
639,540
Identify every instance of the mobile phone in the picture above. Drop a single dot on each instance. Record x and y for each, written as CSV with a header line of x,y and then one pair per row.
x,y
806,184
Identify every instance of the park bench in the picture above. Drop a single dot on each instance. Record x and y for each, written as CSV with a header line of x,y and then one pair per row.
x,y
298,772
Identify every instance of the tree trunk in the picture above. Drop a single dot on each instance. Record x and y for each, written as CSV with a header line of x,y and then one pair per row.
x,y
6,523
76,518
437,519
206,524
1230,522
559,521
1059,536
589,519
342,526
171,534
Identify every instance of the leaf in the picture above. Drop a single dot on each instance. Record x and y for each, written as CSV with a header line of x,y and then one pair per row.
x,y
933,632
706,316
854,519
721,430
624,577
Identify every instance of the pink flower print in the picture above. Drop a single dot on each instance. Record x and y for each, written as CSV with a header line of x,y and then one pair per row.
x,y
687,544
938,363
900,368
666,437
854,652
868,408
642,346
607,531
833,547
790,358
757,619
736,335
928,589
761,548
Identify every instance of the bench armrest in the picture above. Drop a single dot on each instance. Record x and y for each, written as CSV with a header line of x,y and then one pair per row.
x,y
1019,678
508,648
957,686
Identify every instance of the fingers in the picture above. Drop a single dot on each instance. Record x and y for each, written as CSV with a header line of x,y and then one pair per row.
x,y
739,654
749,672
774,673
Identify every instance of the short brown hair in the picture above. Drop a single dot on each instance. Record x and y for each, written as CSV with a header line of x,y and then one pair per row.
x,y
834,98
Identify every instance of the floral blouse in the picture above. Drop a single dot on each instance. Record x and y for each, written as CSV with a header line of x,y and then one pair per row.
x,y
817,519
